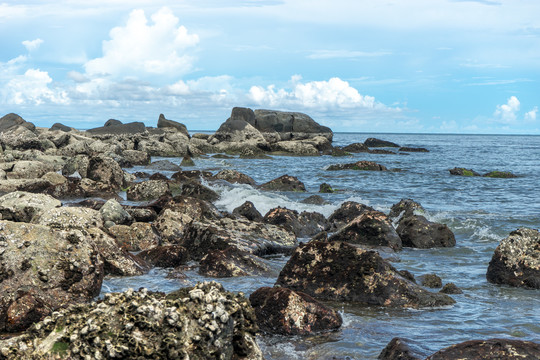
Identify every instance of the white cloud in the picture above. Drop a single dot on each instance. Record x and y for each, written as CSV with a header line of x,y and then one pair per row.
x,y
139,48
32,45
531,115
33,87
507,113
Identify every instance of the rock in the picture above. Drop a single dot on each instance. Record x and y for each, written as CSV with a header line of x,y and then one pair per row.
x,y
26,169
500,175
339,271
112,122
20,138
164,123
165,256
187,161
400,349
347,212
231,262
405,208
23,206
195,208
234,177
136,237
115,128
325,188
199,191
356,148
463,172
43,270
235,135
431,281
148,190
12,120
200,237
76,165
158,176
451,288
69,218
163,165
54,178
412,149
136,157
372,228
383,152
60,127
285,312
182,176
142,214
248,211
516,261
314,200
113,211
418,232
305,224
170,225
373,142
284,183
201,322
338,152
506,349
293,147
26,185
359,165
105,170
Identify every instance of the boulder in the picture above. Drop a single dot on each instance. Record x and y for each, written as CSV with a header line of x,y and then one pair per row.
x,y
231,262
286,312
400,349
199,191
305,224
463,172
234,177
182,176
347,212
507,349
148,190
374,142
295,147
372,228
12,120
164,123
171,225
359,165
431,281
69,218
23,206
201,322
239,134
339,271
339,152
20,138
165,256
284,183
248,211
54,178
325,188
163,165
60,127
136,157
405,208
500,175
356,148
105,170
450,288
113,211
112,122
42,270
314,200
142,214
27,169
117,128
76,166
26,185
418,232
136,237
516,261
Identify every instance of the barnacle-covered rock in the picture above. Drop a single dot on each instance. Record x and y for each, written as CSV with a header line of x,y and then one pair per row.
x,y
23,206
202,322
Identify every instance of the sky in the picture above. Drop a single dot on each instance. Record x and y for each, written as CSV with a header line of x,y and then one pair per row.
x,y
415,66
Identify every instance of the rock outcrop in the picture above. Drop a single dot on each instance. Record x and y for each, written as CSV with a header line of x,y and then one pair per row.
x,y
418,232
284,183
359,165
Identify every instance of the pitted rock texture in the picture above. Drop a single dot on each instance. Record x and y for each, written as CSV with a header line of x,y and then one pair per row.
x,y
231,262
234,177
405,208
202,322
304,224
347,212
148,190
418,232
23,206
284,183
342,272
516,261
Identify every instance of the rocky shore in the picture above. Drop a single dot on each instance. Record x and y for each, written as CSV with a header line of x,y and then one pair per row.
x,y
64,227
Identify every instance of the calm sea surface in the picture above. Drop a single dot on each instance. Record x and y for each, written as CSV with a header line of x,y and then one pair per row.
x,y
480,212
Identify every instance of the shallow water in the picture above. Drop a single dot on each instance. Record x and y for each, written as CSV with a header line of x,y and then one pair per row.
x,y
480,212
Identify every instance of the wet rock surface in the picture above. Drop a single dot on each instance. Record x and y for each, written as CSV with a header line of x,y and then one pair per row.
x,y
248,211
347,212
374,142
490,349
231,262
304,224
284,183
359,165
418,232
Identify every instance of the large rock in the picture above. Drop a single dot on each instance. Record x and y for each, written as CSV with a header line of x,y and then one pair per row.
x,y
23,206
117,128
372,229
165,256
284,183
516,261
339,271
42,270
113,211
198,190
286,312
231,262
347,212
12,120
374,142
236,135
356,148
405,208
69,218
105,170
164,165
359,165
288,125
136,157
148,190
27,169
20,138
506,349
165,123
201,322
248,210
418,232
400,349
304,224
136,237
234,177
463,172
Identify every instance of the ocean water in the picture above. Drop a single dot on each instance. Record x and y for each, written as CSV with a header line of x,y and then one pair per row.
x,y
480,212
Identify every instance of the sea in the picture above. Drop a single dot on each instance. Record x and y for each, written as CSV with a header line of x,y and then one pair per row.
x,y
480,211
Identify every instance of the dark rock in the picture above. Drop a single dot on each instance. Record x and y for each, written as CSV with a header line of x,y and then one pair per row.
x,y
399,349
12,120
500,175
451,288
356,148
431,281
314,200
136,237
284,183
191,174
359,165
142,214
404,208
418,232
199,191
119,129
412,149
187,161
231,262
112,122
516,261
158,176
143,324
347,212
164,123
234,177
148,190
506,349
248,211
325,188
165,256
60,127
382,152
163,165
463,172
305,224
322,236
342,272
372,229
286,312
105,170
337,152
407,275
373,142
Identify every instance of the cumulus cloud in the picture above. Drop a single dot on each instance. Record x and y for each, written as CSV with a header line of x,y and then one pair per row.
x,y
33,87
140,48
32,45
507,113
531,115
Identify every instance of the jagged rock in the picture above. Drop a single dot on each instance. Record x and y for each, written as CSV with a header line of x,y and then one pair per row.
x,y
20,138
400,349
284,183
113,211
234,177
248,211
359,165
148,190
506,349
182,176
164,165
405,208
431,281
142,214
339,271
418,232
373,142
286,312
77,164
231,262
42,270
136,237
164,123
347,212
463,172
305,224
356,148
23,206
372,228
165,256
516,261
144,324
170,225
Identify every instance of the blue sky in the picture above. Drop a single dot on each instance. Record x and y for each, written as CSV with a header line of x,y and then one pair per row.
x,y
436,66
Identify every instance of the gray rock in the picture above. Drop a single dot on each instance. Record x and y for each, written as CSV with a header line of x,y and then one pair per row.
x,y
24,206
12,120
148,190
113,211
164,123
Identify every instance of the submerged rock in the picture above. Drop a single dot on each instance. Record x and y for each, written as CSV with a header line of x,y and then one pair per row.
x,y
359,165
248,211
500,175
284,183
516,261
286,312
374,142
201,322
356,148
412,149
506,349
463,172
342,272
418,232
